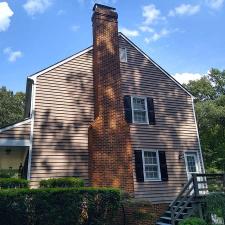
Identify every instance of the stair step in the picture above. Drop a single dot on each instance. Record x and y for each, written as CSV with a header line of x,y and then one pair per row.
x,y
161,223
168,218
177,213
187,207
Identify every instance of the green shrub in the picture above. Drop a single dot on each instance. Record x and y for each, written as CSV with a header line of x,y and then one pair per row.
x,y
13,183
66,182
193,221
215,204
58,206
6,173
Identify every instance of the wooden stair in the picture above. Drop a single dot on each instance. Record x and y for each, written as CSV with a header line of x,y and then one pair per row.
x,y
166,218
190,199
188,202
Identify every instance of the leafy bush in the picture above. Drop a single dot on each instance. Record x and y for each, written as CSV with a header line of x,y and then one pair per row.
x,y
193,221
66,182
8,173
13,183
58,206
215,204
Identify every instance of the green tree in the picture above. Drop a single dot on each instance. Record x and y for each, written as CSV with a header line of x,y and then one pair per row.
x,y
11,106
210,110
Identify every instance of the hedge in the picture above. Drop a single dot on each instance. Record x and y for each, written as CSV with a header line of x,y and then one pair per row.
x,y
193,221
66,182
58,206
215,204
13,183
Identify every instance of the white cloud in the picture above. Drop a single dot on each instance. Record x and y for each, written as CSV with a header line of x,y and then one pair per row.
x,y
185,9
215,4
103,2
61,12
37,6
12,55
129,33
151,14
5,14
157,35
75,28
146,29
184,78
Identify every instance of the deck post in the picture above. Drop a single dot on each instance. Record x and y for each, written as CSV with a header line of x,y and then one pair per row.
x,y
195,183
224,182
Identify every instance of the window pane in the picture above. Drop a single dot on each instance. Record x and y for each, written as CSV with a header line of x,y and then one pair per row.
x,y
150,158
123,55
191,164
151,172
139,103
139,116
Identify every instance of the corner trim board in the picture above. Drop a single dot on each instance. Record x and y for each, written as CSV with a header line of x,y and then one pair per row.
x,y
199,143
32,126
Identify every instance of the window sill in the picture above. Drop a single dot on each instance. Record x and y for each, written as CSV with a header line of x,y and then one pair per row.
x,y
146,123
147,180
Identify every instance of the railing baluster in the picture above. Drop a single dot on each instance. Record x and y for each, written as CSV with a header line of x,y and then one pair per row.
x,y
224,182
192,192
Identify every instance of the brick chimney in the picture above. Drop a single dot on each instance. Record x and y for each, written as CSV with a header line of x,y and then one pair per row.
x,y
110,152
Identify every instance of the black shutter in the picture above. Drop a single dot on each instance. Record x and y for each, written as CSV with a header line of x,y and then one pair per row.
x,y
163,165
151,111
128,108
139,166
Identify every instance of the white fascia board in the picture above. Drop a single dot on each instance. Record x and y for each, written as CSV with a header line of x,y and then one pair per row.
x,y
60,63
154,63
15,125
14,143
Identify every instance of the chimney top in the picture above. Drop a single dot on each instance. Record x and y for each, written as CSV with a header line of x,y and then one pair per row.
x,y
103,7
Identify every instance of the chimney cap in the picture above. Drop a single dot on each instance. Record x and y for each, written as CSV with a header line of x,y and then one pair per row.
x,y
103,7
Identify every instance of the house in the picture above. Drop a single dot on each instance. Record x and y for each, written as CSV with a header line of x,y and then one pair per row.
x,y
109,115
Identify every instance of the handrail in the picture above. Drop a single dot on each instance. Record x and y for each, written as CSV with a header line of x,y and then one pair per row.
x,y
182,191
181,199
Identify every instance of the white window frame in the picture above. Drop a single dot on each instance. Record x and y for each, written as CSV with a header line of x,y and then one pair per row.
x,y
125,51
158,164
146,107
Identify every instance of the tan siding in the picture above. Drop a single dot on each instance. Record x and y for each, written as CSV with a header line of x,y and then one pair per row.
x,y
19,132
175,129
63,112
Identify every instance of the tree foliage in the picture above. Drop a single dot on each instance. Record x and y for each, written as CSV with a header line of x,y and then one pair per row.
x,y
210,109
11,106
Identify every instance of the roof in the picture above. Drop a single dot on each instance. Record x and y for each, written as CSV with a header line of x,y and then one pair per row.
x,y
91,47
17,124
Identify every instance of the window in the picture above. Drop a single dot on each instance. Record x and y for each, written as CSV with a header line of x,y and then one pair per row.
x,y
151,165
139,110
191,164
123,55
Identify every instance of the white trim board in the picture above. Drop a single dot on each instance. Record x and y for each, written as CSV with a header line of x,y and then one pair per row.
x,y
154,63
32,126
60,63
15,125
199,142
14,143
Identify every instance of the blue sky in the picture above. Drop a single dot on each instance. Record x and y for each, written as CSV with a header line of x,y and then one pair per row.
x,y
186,38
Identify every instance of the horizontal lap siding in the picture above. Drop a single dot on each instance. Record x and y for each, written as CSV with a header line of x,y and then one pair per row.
x,y
20,132
63,112
175,129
